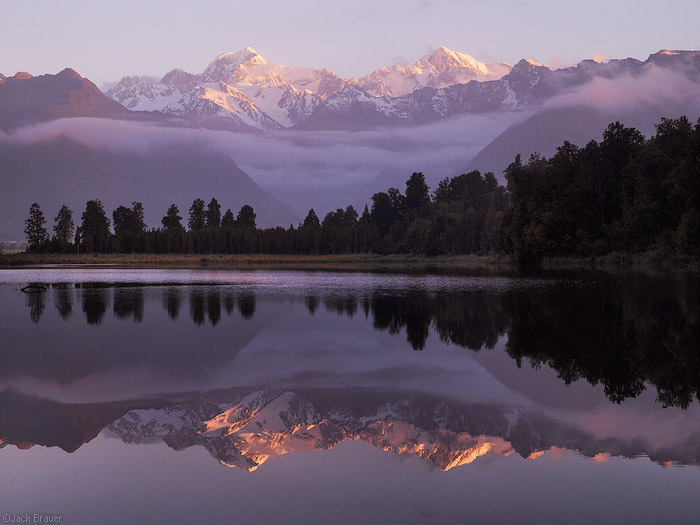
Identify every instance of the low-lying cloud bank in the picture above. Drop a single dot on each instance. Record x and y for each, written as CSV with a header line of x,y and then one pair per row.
x,y
657,87
321,169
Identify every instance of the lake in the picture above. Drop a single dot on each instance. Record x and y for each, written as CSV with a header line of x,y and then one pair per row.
x,y
196,396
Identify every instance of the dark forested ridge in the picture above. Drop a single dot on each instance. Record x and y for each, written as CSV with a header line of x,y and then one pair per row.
x,y
625,194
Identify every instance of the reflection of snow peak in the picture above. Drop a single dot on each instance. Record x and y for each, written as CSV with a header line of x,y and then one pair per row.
x,y
267,424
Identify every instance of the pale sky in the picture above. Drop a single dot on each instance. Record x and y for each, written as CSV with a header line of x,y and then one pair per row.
x,y
107,40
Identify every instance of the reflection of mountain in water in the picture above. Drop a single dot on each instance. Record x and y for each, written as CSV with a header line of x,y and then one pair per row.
x,y
246,428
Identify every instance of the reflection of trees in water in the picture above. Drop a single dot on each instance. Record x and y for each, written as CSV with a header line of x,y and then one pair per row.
x,y
340,304
246,304
207,303
94,301
63,299
413,311
197,306
171,302
312,302
469,319
621,334
36,301
228,301
214,306
128,303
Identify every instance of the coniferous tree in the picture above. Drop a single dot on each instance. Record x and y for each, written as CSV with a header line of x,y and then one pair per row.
x,y
37,236
228,220
310,233
197,219
365,231
93,233
246,217
382,213
63,229
172,222
417,195
213,214
129,227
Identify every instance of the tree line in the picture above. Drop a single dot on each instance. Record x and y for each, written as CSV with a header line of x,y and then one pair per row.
x,y
624,194
461,216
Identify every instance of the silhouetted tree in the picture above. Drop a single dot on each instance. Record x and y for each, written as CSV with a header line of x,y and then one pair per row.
x,y
310,233
246,217
63,227
172,222
93,232
228,220
37,236
213,214
417,195
129,228
197,219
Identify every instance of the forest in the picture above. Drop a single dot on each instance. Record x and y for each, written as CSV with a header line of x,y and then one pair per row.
x,y
626,194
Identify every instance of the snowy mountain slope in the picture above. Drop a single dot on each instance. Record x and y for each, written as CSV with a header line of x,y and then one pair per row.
x,y
237,90
528,86
243,91
442,68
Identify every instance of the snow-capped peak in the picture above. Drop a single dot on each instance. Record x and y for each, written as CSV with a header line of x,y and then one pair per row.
x,y
244,55
227,65
443,59
441,68
533,62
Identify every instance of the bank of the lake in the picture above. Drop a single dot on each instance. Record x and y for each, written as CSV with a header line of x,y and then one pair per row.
x,y
650,262
352,262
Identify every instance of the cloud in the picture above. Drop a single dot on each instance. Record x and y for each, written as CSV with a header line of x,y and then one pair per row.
x,y
315,158
656,87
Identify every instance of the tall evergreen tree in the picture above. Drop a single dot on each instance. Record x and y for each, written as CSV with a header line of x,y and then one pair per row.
x,y
213,214
228,220
365,231
63,229
310,233
382,212
246,217
197,219
129,227
172,222
93,232
417,195
37,236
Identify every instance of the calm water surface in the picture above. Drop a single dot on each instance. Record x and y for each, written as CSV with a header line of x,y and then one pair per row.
x,y
183,396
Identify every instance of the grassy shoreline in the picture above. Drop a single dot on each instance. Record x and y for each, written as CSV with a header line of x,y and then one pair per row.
x,y
651,262
351,262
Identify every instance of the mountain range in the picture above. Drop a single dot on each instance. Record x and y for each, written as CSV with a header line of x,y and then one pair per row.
x,y
243,90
